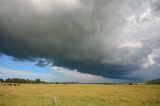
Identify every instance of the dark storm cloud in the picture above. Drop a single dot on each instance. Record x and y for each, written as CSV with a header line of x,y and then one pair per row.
x,y
105,37
155,5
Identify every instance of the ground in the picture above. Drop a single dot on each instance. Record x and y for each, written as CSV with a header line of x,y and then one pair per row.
x,y
80,95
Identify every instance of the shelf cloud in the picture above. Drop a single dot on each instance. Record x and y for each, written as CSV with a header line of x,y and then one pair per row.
x,y
108,38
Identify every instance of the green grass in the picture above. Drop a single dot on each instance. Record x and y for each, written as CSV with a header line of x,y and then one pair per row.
x,y
80,95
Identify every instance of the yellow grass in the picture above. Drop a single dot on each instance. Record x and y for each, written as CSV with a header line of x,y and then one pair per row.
x,y
80,95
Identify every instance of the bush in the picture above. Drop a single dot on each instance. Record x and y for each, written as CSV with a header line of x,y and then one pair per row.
x,y
130,83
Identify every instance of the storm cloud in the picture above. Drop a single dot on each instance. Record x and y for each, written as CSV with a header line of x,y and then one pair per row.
x,y
109,38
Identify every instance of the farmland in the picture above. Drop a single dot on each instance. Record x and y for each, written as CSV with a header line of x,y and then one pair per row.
x,y
80,95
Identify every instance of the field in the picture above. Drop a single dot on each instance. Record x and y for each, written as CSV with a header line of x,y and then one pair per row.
x,y
80,95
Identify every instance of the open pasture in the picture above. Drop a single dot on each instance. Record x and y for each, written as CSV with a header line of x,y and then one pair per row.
x,y
80,95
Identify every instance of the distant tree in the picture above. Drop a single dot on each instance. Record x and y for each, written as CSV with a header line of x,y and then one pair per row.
x,y
1,80
156,81
38,80
21,80
130,83
57,82
8,80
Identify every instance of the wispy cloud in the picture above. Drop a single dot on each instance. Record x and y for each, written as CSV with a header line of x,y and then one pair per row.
x,y
4,72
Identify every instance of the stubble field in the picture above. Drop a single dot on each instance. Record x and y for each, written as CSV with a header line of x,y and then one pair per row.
x,y
80,95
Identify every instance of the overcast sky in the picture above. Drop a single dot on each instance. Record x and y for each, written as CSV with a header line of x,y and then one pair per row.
x,y
81,40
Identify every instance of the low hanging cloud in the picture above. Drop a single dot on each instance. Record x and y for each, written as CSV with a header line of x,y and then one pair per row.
x,y
107,38
84,78
79,76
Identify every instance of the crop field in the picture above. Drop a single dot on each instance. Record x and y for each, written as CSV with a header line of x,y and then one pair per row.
x,y
80,95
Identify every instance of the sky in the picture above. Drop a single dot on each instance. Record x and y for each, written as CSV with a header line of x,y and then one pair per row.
x,y
80,40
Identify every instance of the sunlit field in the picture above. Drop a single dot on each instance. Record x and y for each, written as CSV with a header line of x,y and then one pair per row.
x,y
80,95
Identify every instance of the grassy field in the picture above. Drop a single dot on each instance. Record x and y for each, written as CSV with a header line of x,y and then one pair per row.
x,y
80,95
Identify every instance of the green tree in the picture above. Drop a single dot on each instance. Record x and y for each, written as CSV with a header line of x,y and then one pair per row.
x,y
38,80
1,80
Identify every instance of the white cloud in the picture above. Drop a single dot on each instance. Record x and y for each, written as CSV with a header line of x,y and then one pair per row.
x,y
131,45
152,59
55,5
145,14
149,62
14,72
132,20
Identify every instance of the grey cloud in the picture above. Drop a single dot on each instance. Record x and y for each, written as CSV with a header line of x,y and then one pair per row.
x,y
144,75
155,5
85,37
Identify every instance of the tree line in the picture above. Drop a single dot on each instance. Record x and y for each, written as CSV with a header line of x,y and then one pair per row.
x,y
36,81
21,80
156,81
